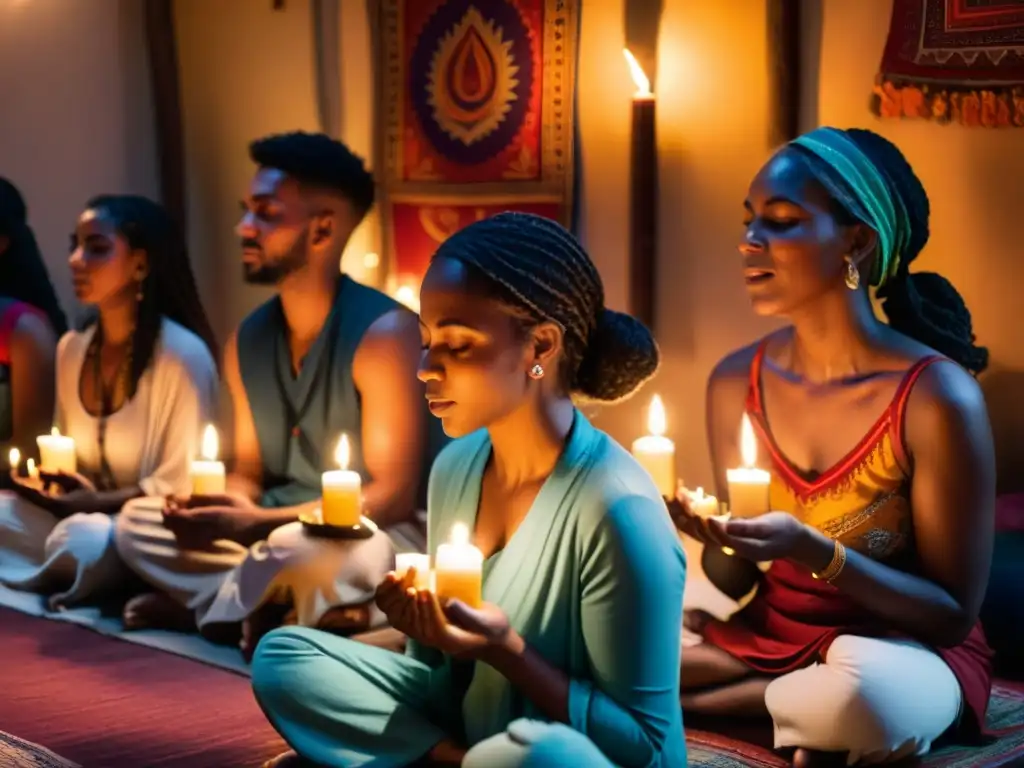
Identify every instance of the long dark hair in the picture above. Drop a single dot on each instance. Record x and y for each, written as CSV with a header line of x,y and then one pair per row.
x,y
169,288
23,273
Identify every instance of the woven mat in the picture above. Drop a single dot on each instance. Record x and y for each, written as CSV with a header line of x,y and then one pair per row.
x,y
17,753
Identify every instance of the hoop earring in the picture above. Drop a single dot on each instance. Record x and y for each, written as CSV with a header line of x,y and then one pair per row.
x,y
537,372
852,277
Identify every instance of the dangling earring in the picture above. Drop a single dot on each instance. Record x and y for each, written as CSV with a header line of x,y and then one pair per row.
x,y
140,277
537,372
852,275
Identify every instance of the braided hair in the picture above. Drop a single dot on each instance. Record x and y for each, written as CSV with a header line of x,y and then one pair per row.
x,y
169,288
317,160
922,305
23,274
539,270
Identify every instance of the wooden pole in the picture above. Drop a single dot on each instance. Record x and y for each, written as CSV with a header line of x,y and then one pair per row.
x,y
783,71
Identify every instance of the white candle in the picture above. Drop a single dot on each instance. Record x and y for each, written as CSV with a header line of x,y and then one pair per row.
x,y
406,560
33,473
748,485
14,457
655,452
458,569
342,490
705,505
57,452
207,474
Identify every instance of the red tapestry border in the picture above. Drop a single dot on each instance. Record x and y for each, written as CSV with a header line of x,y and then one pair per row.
x,y
954,61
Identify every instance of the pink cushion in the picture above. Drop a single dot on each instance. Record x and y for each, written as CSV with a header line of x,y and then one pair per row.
x,y
1010,513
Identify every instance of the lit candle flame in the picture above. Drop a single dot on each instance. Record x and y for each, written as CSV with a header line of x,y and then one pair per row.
x,y
640,80
31,466
15,458
211,443
406,294
748,443
55,432
656,423
343,453
460,534
699,495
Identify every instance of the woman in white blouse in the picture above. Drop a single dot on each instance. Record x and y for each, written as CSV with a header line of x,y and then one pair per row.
x,y
133,389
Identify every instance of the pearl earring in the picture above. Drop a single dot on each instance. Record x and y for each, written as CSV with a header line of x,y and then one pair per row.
x,y
537,372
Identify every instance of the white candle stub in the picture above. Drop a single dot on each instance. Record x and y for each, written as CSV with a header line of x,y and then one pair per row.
x,y
749,487
57,452
342,490
14,457
207,474
458,569
657,453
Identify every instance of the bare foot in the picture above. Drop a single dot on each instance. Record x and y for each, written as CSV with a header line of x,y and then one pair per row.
x,y
156,610
812,758
265,618
345,620
286,760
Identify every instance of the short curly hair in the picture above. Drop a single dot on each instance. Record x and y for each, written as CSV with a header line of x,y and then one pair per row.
x,y
318,160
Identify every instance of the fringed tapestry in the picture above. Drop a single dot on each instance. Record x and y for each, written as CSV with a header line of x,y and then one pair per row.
x,y
954,61
477,103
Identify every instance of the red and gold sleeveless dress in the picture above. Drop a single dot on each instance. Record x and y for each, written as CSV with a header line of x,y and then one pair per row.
x,y
863,501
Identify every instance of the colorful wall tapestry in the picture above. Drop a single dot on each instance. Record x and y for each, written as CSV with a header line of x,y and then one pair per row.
x,y
477,103
954,60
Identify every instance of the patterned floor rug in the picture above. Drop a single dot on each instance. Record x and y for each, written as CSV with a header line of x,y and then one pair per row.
x,y
16,753
1005,720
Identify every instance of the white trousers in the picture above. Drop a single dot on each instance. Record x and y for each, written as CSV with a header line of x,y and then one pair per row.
x,y
879,700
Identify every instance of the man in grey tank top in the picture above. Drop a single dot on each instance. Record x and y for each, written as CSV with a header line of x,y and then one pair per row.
x,y
325,357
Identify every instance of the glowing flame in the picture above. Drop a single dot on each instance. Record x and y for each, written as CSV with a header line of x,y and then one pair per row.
x,y
15,458
699,494
656,417
211,443
371,261
748,443
343,453
460,534
640,80
31,466
55,432
406,294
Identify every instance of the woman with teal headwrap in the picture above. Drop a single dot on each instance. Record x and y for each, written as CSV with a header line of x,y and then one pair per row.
x,y
862,641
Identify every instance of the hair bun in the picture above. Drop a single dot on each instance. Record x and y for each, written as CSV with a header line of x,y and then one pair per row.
x,y
621,355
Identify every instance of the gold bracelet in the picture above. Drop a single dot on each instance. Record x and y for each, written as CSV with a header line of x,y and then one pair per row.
x,y
835,567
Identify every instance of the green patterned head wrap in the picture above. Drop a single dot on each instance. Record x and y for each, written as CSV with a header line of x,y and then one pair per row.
x,y
863,189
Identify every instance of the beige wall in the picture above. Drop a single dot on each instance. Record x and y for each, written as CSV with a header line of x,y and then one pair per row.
x,y
247,70
74,112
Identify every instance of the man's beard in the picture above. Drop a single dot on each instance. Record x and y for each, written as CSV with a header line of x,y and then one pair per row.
x,y
274,271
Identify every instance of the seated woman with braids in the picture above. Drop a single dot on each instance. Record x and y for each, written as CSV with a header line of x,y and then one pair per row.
x,y
862,642
133,389
582,576
30,323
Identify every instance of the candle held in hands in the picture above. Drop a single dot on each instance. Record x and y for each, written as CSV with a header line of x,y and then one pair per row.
x,y
406,560
57,453
207,474
14,457
458,569
748,485
342,490
655,452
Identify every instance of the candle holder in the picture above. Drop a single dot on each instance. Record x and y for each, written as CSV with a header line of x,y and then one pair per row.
x,y
314,525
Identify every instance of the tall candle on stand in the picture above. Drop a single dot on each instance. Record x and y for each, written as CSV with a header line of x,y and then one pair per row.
x,y
342,490
458,569
57,452
643,198
655,452
748,485
207,474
